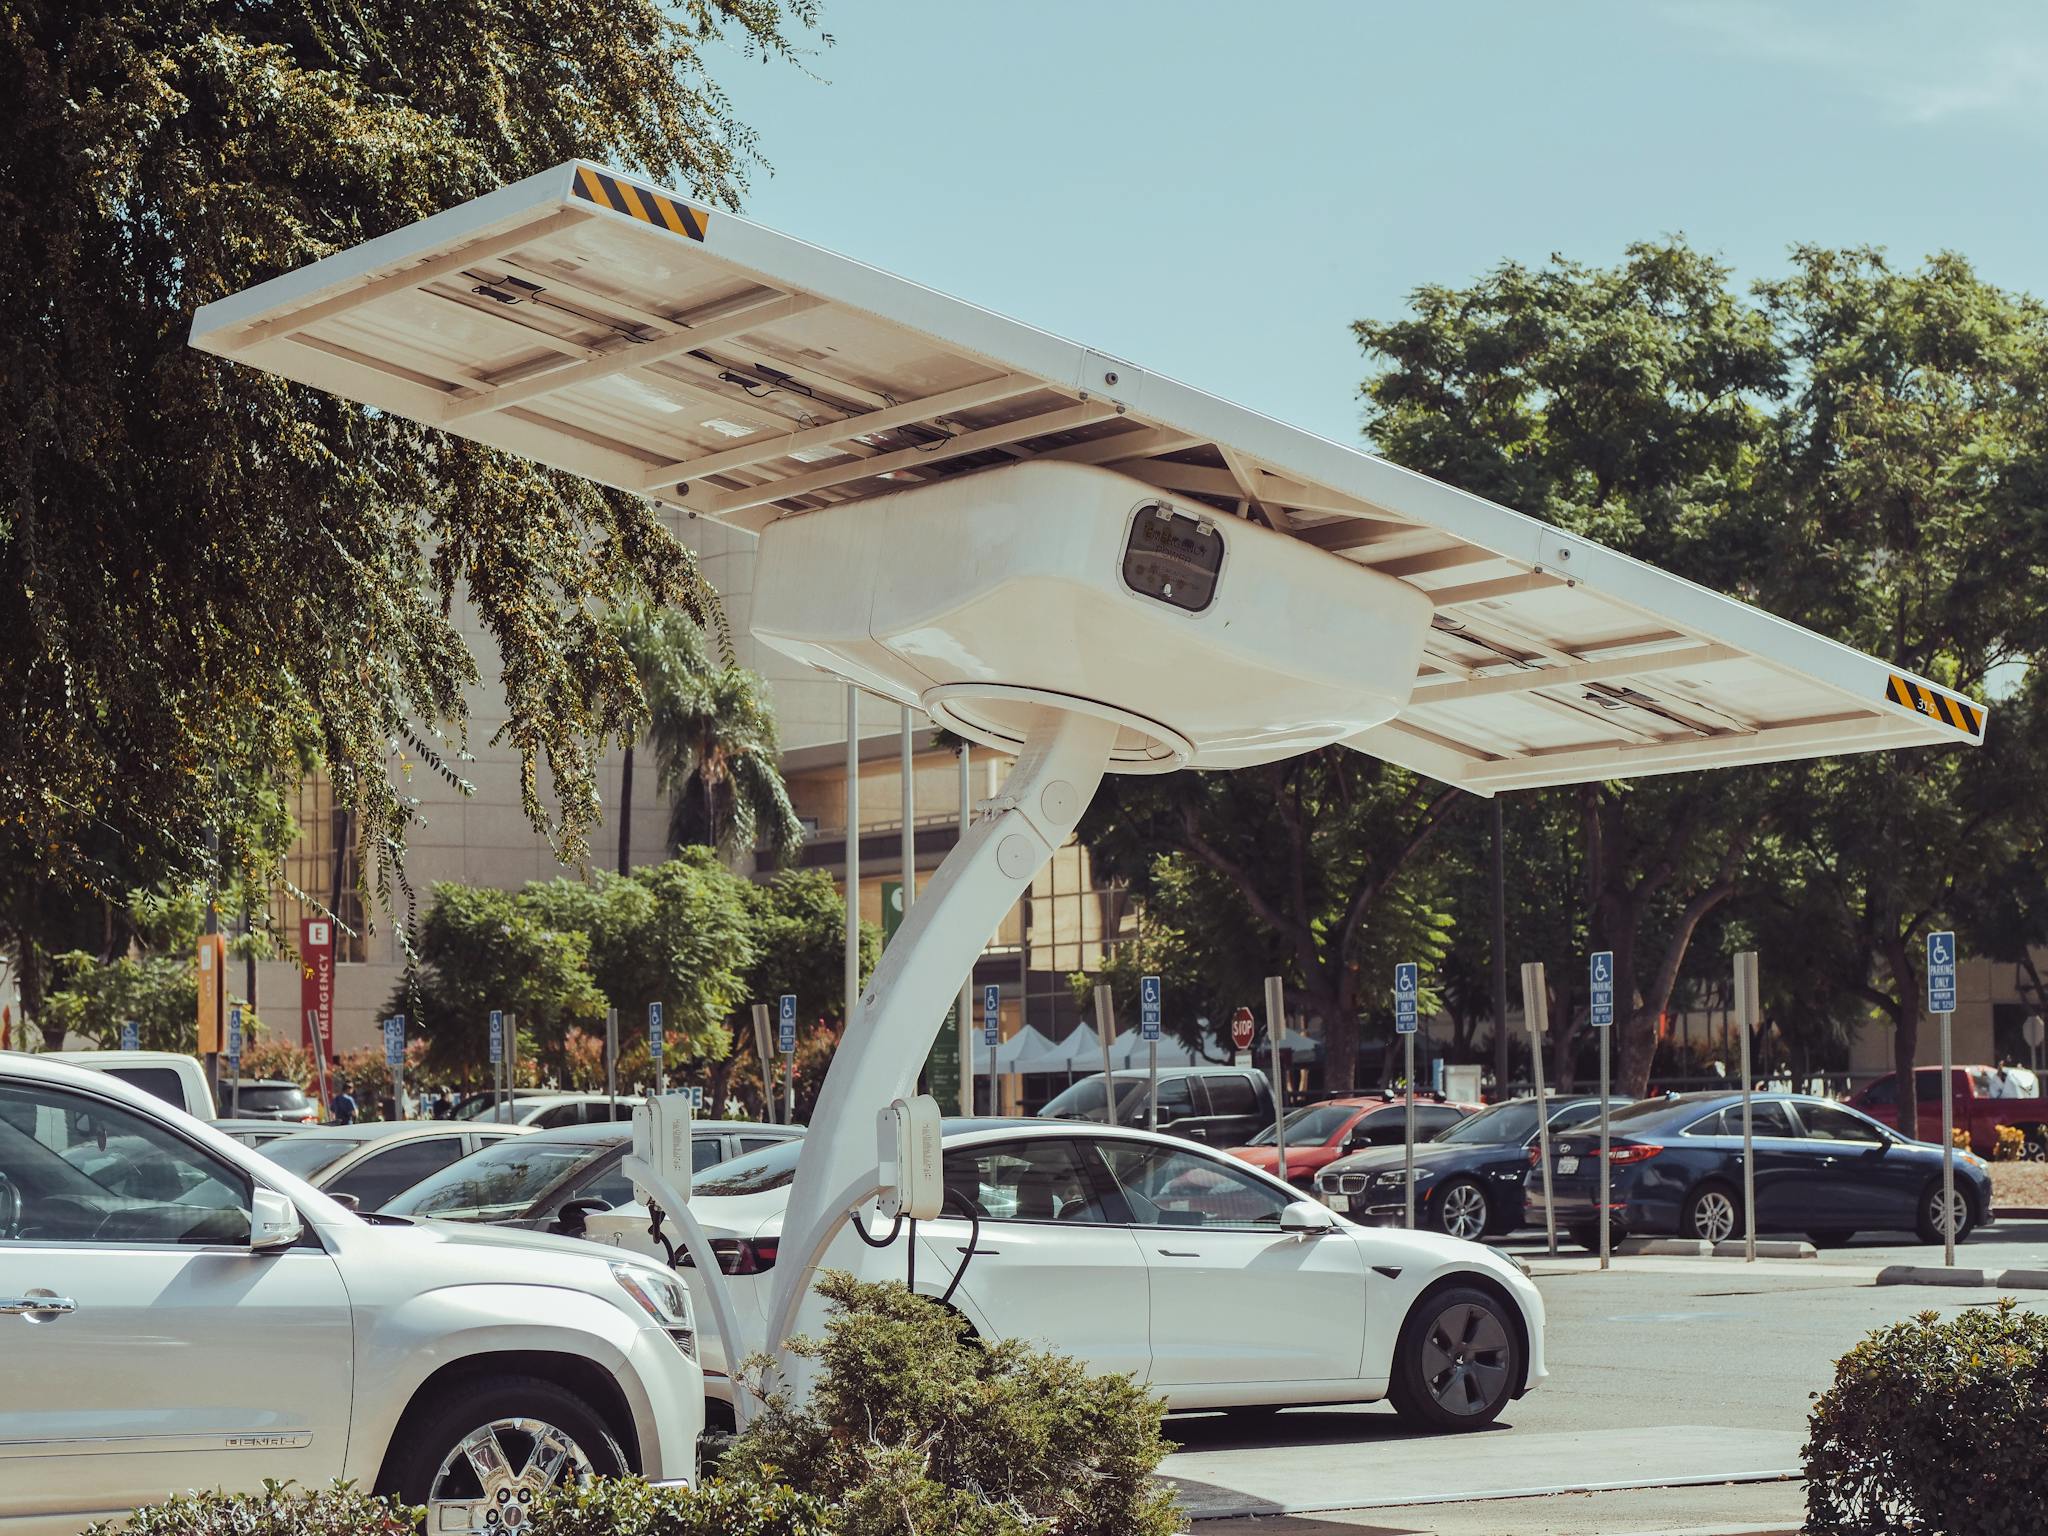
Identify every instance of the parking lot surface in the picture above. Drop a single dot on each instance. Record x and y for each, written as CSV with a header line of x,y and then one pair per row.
x,y
1665,1374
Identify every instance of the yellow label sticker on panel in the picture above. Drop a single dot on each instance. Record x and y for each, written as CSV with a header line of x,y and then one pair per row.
x,y
1936,705
642,203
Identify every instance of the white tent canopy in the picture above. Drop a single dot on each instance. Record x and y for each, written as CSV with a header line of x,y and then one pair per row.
x,y
617,331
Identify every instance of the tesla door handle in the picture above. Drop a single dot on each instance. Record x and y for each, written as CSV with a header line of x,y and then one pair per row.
x,y
31,1305
978,1251
1179,1253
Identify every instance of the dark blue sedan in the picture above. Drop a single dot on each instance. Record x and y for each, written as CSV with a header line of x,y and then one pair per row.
x,y
1822,1169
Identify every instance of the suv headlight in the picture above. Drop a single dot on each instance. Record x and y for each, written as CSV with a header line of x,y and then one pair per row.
x,y
660,1296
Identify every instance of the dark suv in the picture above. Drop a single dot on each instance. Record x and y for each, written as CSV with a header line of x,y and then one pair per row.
x,y
1224,1106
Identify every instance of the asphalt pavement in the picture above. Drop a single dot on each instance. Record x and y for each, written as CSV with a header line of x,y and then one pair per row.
x,y
1677,1396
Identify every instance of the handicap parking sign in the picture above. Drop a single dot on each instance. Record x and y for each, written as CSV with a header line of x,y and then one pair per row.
x,y
785,1024
1407,978
654,1041
991,1015
497,1036
1148,1004
1603,988
1941,973
394,1040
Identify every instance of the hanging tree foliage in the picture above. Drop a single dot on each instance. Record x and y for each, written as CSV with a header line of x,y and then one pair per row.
x,y
213,576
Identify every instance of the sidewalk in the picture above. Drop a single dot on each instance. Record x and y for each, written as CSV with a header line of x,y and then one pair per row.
x,y
1744,1509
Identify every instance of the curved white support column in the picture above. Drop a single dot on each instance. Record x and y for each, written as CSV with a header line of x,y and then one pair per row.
x,y
891,1032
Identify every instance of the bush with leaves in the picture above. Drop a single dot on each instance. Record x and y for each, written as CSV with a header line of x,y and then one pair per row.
x,y
279,1510
718,1506
1932,1425
915,1425
2011,1144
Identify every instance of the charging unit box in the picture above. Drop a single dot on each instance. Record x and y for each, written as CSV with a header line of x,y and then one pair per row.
x,y
661,1139
910,1159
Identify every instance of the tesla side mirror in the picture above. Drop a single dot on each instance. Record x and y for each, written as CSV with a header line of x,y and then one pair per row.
x,y
273,1222
570,1218
1305,1218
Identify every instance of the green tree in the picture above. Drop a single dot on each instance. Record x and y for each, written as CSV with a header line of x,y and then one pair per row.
x,y
214,576
1311,868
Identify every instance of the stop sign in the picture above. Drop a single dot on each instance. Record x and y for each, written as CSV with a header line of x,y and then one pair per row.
x,y
1241,1029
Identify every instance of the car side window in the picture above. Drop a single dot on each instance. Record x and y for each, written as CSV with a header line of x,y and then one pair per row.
x,y
559,1116
706,1152
1231,1094
1383,1128
1176,1101
1573,1116
1927,1087
1169,1187
1430,1120
81,1170
1715,1124
1830,1122
752,1144
386,1174
608,1182
1040,1179
1766,1119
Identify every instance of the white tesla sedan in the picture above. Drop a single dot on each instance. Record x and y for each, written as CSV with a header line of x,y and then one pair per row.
x,y
1214,1283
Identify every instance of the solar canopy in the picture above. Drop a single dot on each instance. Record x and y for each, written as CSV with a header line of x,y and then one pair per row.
x,y
593,323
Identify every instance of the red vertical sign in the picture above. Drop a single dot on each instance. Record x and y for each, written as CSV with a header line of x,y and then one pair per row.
x,y
316,987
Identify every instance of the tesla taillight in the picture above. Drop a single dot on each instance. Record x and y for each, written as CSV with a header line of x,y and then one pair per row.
x,y
1633,1152
745,1256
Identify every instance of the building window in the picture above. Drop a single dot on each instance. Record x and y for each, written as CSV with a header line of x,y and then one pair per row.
x,y
309,867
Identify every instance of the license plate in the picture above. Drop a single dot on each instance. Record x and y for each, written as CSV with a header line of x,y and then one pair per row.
x,y
1567,1165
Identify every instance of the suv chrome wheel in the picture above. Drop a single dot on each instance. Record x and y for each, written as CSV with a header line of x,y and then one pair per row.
x,y
488,1482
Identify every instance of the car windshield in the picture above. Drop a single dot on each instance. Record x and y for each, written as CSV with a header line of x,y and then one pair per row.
x,y
1083,1101
751,1174
268,1099
499,1181
1502,1125
307,1155
1311,1122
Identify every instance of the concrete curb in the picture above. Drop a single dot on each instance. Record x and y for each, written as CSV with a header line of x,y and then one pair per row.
x,y
1767,1248
2019,1213
1664,1247
1921,1274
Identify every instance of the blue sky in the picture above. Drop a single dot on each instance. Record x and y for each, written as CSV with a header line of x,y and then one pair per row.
x,y
1216,190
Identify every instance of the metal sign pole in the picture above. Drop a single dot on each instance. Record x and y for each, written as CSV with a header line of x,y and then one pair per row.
x,y
1276,1024
235,1060
511,1062
495,1027
963,1016
1105,1035
1536,1015
766,1058
1745,1021
1407,1008
785,1025
1941,1002
991,1037
611,1062
1600,1013
1151,1001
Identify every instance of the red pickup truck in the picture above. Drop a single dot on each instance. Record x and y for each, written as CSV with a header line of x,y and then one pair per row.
x,y
1984,1100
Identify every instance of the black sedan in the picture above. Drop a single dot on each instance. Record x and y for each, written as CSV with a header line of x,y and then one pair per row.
x,y
1822,1169
549,1180
1468,1180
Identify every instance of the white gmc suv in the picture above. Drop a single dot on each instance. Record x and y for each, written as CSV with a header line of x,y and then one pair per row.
x,y
177,1312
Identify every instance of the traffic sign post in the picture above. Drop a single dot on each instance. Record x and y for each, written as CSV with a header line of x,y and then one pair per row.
x,y
131,1037
1746,1011
235,1060
497,1063
1407,981
1601,1010
655,1045
1941,1001
785,1038
1276,1025
1536,1015
991,1037
1241,1028
394,1058
1150,995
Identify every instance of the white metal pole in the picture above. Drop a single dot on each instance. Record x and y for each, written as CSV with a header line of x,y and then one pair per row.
x,y
789,1088
1606,1182
1152,1091
611,1062
398,1076
760,1011
1536,1015
907,840
1408,1154
852,860
1745,1022
1105,1032
1948,1147
964,1021
1276,1025
511,1062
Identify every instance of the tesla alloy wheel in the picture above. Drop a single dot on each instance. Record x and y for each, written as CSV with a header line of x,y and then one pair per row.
x,y
1458,1361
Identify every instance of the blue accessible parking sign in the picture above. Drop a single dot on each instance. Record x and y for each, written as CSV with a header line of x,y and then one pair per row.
x,y
785,1024
991,1015
1407,978
1603,988
1148,1006
1941,973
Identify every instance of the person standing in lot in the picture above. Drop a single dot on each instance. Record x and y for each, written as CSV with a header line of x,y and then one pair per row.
x,y
342,1108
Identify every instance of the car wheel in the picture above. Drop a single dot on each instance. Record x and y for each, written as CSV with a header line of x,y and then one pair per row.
x,y
1460,1209
2035,1148
1713,1212
479,1458
1458,1360
1930,1225
1829,1237
1587,1238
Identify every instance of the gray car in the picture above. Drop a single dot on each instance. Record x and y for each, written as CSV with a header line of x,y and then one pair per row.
x,y
369,1164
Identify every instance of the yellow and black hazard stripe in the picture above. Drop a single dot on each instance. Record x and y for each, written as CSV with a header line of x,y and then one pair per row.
x,y
1935,704
642,203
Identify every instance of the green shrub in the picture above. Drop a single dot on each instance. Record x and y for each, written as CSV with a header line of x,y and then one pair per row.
x,y
1934,1426
279,1510
627,1506
913,1425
